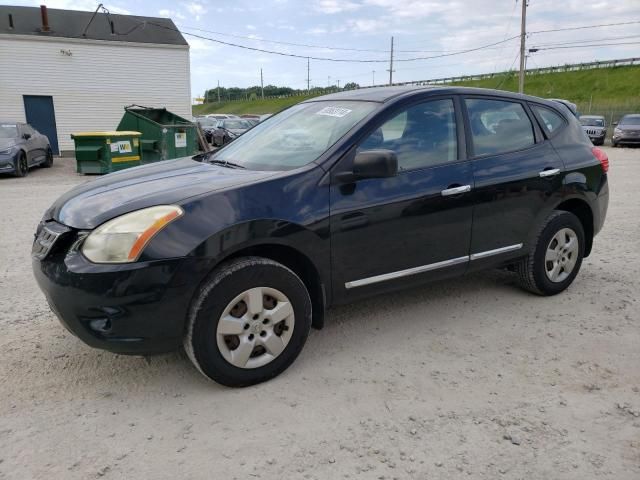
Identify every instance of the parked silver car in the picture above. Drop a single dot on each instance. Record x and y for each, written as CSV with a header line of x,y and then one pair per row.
x,y
627,131
595,127
22,147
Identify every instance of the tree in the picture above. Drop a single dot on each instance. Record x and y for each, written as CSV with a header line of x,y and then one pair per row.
x,y
351,86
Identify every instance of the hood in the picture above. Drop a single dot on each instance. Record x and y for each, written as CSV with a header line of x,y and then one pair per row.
x,y
163,183
628,127
7,142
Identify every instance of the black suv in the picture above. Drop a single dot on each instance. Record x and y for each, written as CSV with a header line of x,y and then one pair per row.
x,y
237,254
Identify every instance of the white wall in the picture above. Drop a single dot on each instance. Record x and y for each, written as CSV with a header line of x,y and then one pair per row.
x,y
91,87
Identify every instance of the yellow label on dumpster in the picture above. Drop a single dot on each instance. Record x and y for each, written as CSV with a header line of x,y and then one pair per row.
x,y
124,147
136,142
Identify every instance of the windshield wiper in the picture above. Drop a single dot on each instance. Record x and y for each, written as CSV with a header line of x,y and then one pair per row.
x,y
226,163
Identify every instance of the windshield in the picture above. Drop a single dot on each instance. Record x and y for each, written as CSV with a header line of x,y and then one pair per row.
x,y
8,130
592,122
296,136
235,124
635,120
207,122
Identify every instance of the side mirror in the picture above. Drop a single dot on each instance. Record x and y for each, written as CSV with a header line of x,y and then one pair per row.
x,y
26,136
371,164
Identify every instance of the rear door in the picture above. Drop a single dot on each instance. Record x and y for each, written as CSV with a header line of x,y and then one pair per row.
x,y
515,171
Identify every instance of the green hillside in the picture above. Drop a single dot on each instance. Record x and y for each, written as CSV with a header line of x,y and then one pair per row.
x,y
612,90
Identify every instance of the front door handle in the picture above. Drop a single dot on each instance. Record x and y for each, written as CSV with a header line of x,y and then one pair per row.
x,y
549,173
456,190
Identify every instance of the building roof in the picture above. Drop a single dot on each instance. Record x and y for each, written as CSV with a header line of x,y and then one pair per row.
x,y
72,24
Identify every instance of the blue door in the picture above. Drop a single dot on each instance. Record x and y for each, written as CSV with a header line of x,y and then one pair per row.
x,y
40,115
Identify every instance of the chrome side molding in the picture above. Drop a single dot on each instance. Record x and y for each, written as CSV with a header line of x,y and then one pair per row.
x,y
432,266
497,251
405,273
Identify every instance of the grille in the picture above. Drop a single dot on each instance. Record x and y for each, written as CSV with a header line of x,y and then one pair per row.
x,y
46,238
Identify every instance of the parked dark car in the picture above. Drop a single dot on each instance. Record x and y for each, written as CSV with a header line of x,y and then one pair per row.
x,y
595,127
627,131
238,254
229,129
22,147
208,125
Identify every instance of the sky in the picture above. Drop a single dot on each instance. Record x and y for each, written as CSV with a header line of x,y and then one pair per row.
x,y
357,30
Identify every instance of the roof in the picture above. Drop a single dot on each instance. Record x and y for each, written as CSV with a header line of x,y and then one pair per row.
x,y
72,23
385,94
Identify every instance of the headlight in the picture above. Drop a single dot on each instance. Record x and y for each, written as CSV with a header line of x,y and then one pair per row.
x,y
7,151
122,239
617,131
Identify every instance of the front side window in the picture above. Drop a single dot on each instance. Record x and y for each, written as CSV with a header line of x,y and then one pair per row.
x,y
423,135
498,126
550,119
296,136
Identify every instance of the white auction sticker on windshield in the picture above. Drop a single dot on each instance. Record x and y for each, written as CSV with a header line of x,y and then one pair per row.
x,y
334,112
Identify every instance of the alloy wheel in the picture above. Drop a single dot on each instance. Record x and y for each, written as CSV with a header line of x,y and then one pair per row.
x,y
561,255
255,327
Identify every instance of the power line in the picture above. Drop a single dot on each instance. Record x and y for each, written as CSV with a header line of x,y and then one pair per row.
x,y
585,46
585,26
329,59
568,42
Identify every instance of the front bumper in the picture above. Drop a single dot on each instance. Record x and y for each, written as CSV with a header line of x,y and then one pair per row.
x,y
626,138
137,308
8,163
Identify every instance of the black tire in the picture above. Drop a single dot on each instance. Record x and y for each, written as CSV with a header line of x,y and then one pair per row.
x,y
221,287
48,163
22,166
532,270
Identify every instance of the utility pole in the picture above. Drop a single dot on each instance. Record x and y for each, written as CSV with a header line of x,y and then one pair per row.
x,y
391,65
308,79
373,77
523,34
328,81
218,91
338,84
261,84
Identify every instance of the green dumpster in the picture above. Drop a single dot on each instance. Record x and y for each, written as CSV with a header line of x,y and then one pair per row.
x,y
165,135
104,152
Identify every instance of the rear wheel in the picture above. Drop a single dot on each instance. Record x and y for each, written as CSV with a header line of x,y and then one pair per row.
x,y
248,322
22,167
556,257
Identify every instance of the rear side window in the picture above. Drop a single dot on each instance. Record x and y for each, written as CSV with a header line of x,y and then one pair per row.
x,y
498,126
551,121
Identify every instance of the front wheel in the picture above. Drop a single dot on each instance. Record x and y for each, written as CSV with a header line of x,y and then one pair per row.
x,y
248,322
22,167
556,257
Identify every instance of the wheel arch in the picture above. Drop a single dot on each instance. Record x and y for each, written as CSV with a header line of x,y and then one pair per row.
x,y
581,209
296,261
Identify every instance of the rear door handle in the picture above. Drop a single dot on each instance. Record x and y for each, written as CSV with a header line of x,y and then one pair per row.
x,y
549,173
456,190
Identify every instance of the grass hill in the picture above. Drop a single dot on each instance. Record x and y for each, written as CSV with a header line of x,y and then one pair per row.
x,y
613,90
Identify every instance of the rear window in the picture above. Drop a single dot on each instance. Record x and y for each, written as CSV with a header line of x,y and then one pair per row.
x,y
551,121
498,126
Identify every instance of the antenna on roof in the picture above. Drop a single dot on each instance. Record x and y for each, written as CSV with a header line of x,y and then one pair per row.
x,y
84,32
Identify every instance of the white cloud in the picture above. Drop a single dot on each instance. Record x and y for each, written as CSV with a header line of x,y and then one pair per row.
x,y
196,9
336,6
250,27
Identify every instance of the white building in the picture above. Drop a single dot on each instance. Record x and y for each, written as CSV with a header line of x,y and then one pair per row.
x,y
64,72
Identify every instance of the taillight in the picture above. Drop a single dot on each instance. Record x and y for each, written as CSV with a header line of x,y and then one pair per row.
x,y
602,157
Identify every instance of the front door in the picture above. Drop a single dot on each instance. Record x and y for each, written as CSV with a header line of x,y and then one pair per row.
x,y
40,115
392,232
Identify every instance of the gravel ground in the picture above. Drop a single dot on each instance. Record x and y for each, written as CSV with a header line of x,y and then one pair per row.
x,y
469,378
